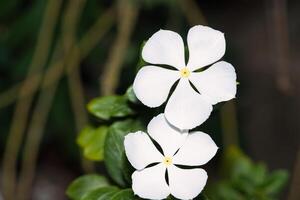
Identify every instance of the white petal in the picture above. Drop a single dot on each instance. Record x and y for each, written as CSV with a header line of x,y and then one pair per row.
x,y
165,47
186,183
152,84
217,83
186,108
167,136
206,46
140,150
150,183
198,149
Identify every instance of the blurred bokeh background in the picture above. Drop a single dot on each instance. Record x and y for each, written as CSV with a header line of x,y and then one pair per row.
x,y
56,55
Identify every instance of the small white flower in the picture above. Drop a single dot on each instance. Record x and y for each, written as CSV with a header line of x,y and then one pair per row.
x,y
179,149
186,108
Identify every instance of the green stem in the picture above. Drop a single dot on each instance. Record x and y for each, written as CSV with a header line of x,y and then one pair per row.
x,y
229,124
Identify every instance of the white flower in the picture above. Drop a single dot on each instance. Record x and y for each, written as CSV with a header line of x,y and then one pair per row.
x,y
186,108
179,149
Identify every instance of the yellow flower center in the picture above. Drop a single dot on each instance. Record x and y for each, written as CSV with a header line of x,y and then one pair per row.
x,y
185,72
167,161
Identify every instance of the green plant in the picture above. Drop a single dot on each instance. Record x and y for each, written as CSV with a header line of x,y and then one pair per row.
x,y
240,178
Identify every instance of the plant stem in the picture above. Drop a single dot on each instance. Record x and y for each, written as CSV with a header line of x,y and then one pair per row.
x,y
229,124
69,41
8,96
280,45
128,13
50,83
32,142
294,193
74,81
22,108
86,44
78,106
39,118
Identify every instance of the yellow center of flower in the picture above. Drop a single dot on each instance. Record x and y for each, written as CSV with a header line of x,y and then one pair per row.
x,y
167,161
185,72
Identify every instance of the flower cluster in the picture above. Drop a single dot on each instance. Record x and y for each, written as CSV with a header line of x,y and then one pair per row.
x,y
190,104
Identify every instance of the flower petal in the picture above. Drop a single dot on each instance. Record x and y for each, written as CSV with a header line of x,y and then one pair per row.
x,y
152,84
217,83
206,46
165,47
150,183
186,108
198,149
186,183
168,137
140,150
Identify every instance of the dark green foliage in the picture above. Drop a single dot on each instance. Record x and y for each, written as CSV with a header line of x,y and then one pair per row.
x,y
115,158
110,106
244,179
126,194
85,184
130,95
104,193
94,187
241,178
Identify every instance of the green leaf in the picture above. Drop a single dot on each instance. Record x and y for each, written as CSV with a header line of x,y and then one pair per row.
x,y
114,153
275,182
223,191
126,194
92,141
141,63
84,184
85,136
258,173
130,95
104,193
235,163
248,179
127,171
109,106
202,197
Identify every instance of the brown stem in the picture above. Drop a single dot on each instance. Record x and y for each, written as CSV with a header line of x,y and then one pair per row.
x,y
50,83
280,45
76,89
36,128
22,108
229,124
74,81
77,94
95,33
40,114
126,21
294,193
8,96
86,44
78,104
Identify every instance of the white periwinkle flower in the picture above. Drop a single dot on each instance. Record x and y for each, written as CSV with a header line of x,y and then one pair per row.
x,y
186,108
179,149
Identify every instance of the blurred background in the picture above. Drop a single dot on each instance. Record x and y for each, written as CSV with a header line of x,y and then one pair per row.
x,y
56,55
